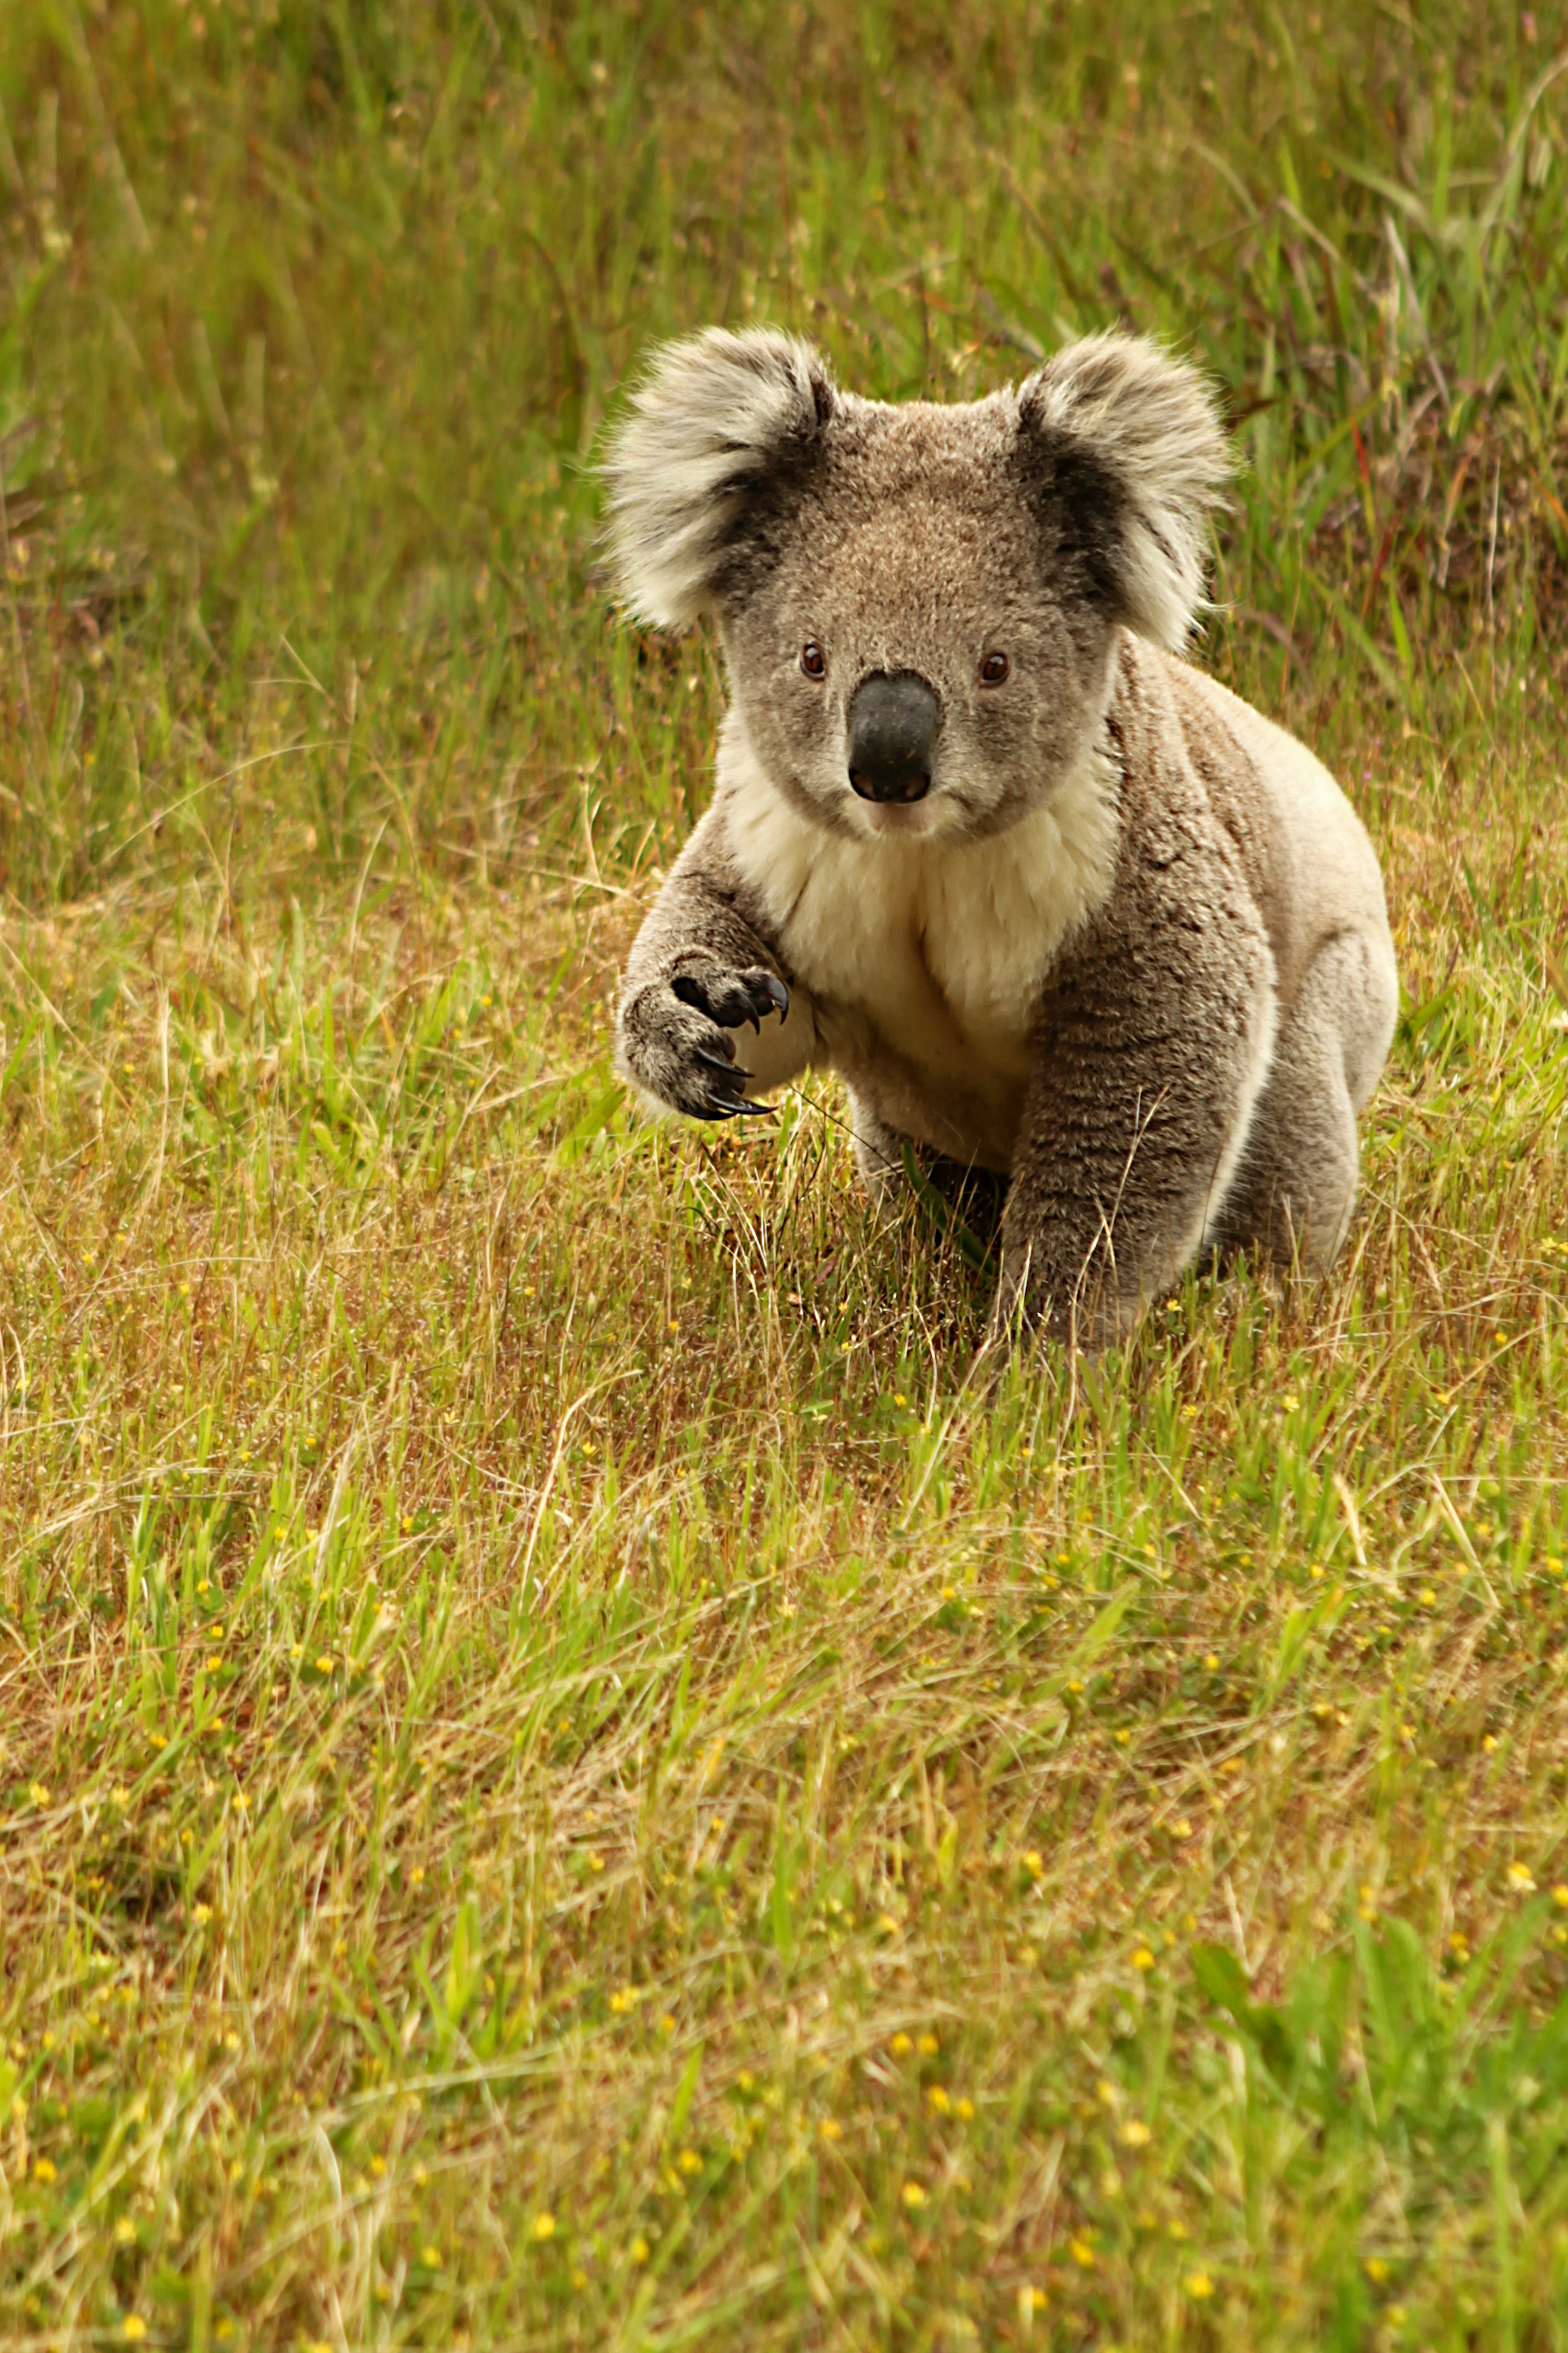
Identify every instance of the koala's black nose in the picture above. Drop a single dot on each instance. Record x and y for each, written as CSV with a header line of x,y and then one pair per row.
x,y
894,717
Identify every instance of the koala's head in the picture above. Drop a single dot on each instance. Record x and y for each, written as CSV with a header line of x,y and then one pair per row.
x,y
919,604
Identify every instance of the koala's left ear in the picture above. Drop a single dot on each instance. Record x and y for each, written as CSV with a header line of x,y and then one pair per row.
x,y
712,440
1139,446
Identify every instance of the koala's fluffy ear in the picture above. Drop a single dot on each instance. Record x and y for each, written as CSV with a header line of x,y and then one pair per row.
x,y
1136,436
714,436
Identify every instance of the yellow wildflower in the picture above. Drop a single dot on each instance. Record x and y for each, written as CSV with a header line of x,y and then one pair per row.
x,y
1199,2284
544,2226
913,2195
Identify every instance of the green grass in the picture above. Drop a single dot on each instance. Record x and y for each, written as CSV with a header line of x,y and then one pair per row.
x,y
576,1764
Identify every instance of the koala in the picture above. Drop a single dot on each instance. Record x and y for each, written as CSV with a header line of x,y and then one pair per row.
x,y
1051,902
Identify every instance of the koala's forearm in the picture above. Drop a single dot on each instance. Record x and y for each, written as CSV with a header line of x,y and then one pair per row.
x,y
1117,1186
1157,1030
697,923
700,969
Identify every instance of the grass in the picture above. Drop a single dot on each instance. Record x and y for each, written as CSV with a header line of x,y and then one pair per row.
x,y
574,1767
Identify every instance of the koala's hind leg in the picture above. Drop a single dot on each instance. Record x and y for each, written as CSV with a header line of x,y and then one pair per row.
x,y
1296,1186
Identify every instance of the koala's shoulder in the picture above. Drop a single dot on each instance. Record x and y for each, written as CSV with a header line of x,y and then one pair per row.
x,y
1184,888
1182,727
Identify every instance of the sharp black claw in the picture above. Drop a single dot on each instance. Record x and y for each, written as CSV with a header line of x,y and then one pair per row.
x,y
727,1070
777,995
718,1107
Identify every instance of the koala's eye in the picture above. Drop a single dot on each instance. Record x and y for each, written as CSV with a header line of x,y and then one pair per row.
x,y
994,669
813,661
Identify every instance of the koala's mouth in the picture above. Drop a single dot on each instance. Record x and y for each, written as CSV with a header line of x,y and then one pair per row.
x,y
910,820
894,720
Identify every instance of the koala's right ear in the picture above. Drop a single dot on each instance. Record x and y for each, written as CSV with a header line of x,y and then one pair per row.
x,y
1137,438
713,436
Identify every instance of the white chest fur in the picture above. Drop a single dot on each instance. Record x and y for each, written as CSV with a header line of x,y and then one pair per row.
x,y
938,950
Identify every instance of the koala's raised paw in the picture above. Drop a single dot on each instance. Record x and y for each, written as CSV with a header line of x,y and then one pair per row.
x,y
675,1039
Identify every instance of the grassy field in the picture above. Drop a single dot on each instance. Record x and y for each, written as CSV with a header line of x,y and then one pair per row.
x,y
577,1766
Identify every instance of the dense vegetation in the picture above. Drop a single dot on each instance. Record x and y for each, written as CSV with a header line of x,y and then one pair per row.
x,y
578,1766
